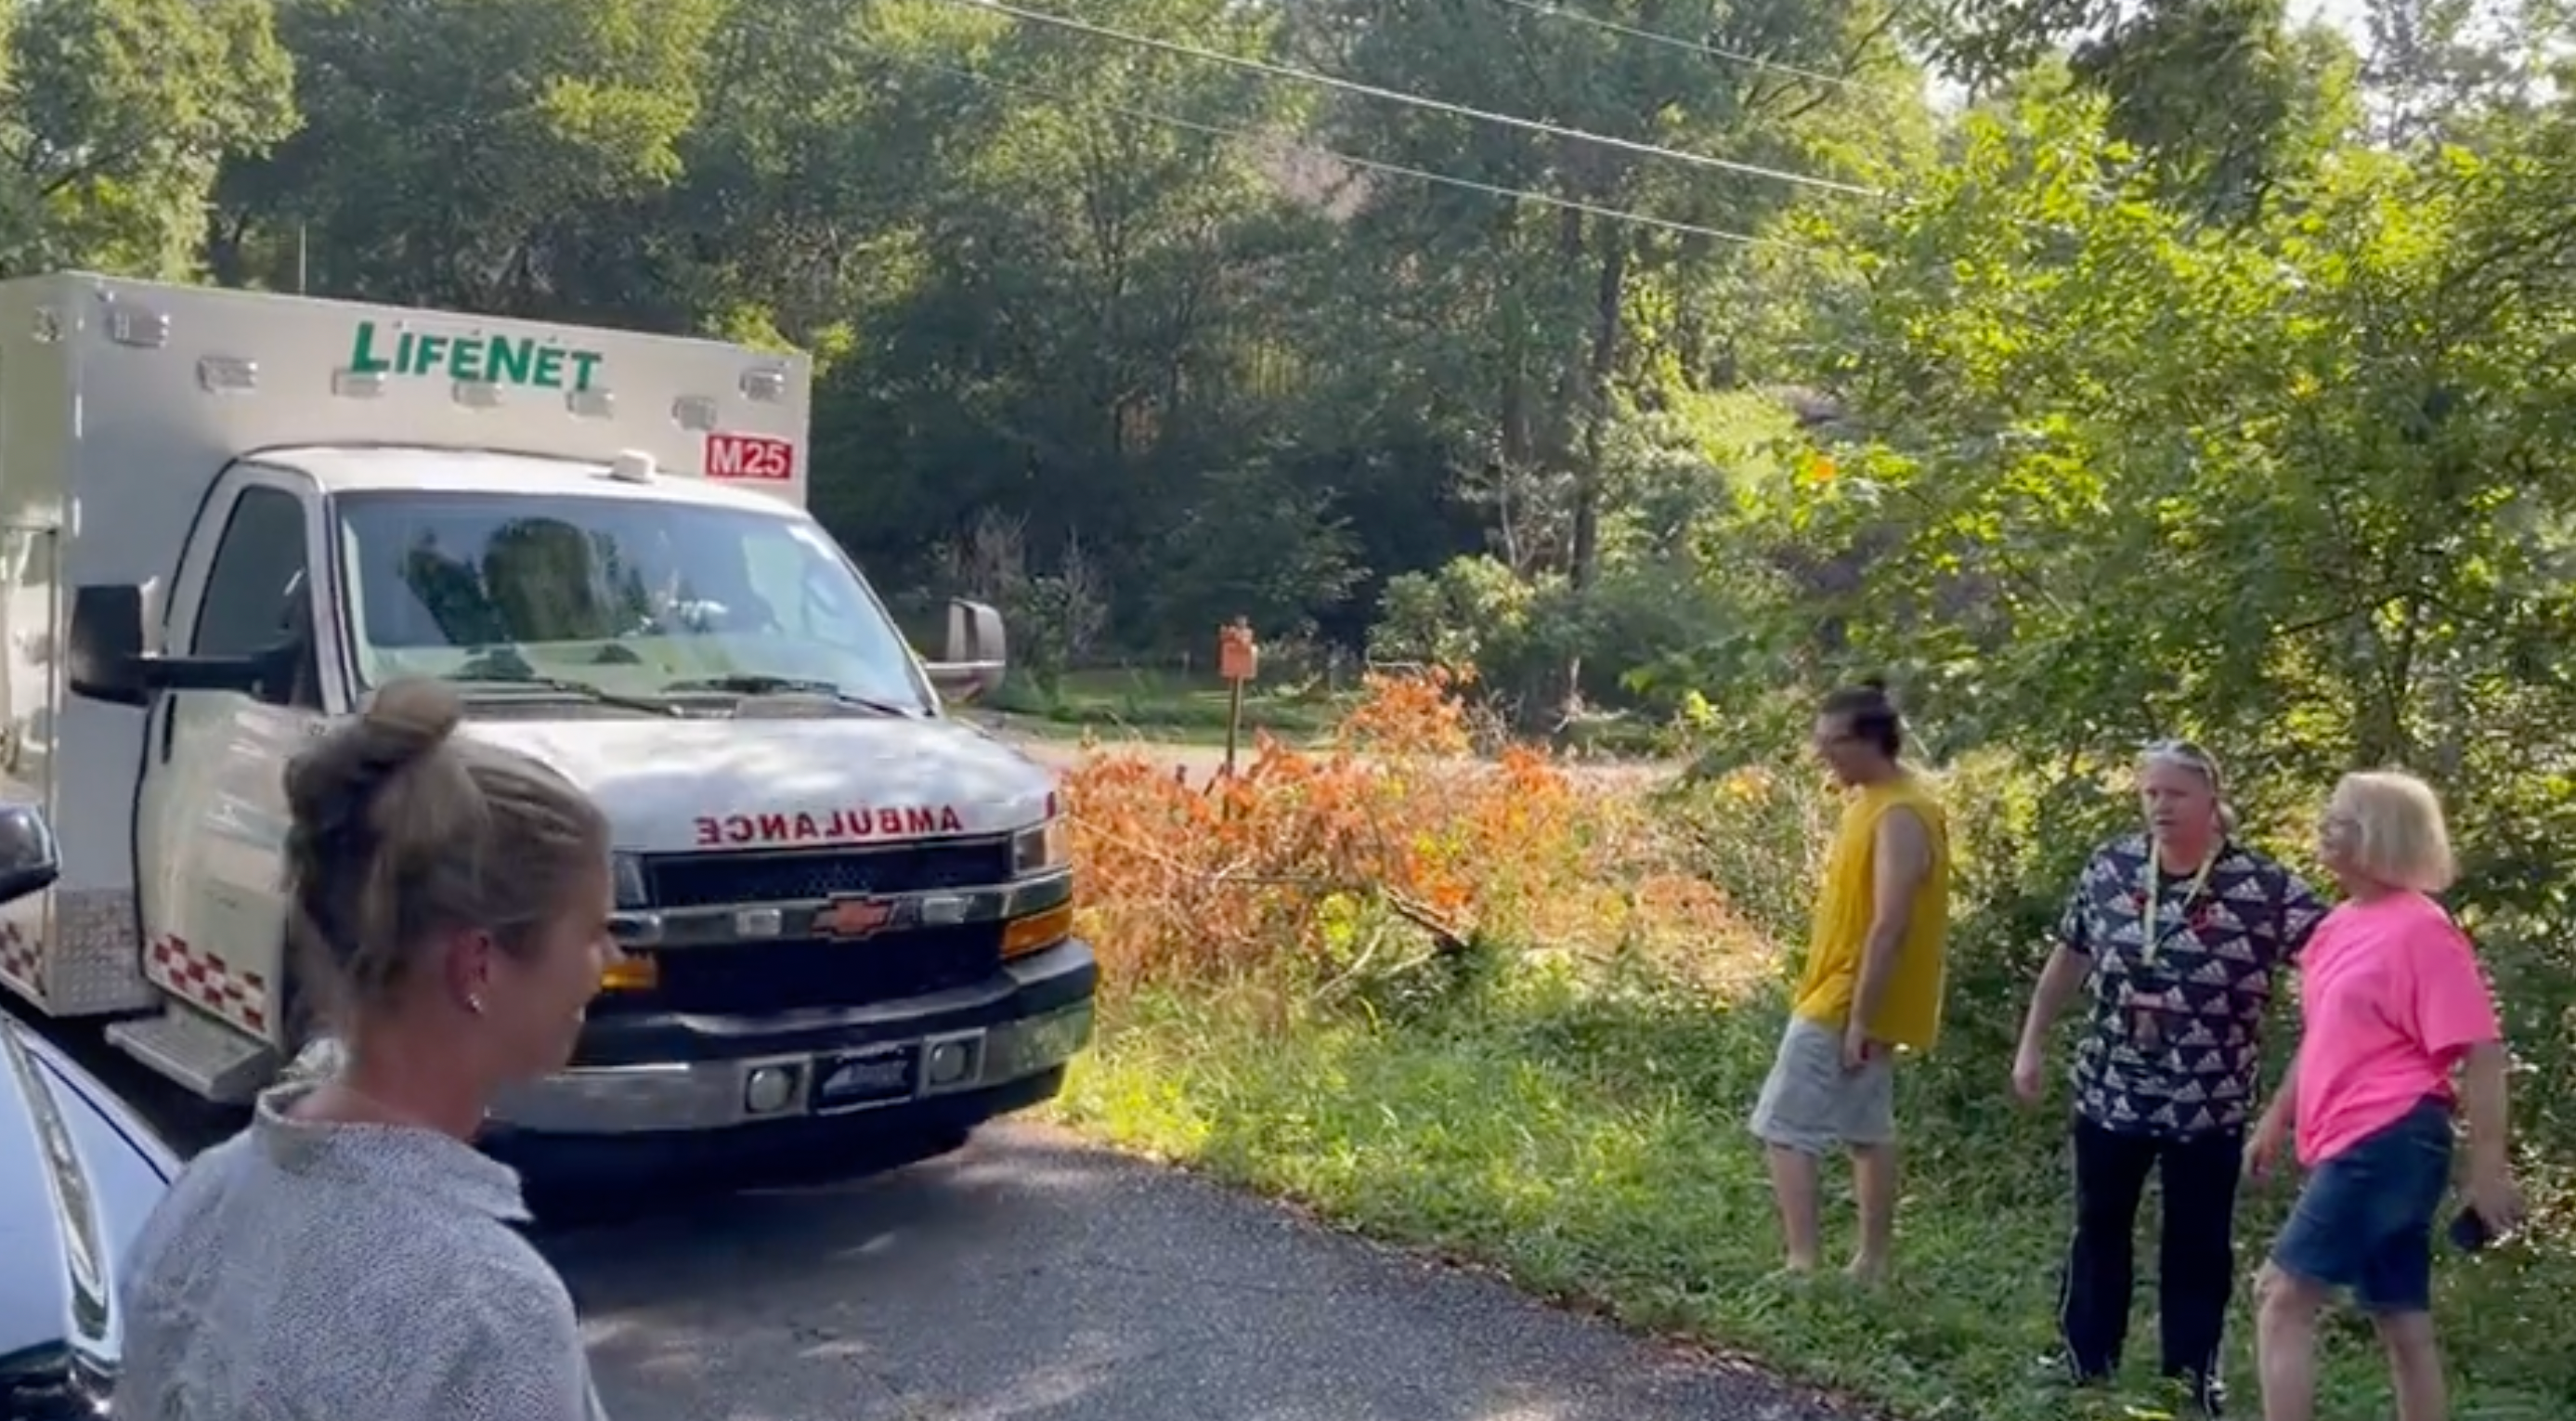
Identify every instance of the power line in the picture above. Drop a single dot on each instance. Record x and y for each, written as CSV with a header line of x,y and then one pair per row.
x,y
1369,164
1555,10
1282,71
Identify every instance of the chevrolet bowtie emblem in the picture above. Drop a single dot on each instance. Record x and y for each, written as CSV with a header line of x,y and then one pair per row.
x,y
854,917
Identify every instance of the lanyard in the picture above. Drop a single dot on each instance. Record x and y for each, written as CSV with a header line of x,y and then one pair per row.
x,y
2151,933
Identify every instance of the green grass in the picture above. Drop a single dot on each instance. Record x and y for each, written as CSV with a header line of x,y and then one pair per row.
x,y
1165,705
1593,1148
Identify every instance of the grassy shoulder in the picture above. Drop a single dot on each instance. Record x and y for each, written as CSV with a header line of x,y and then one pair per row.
x,y
1163,707
1590,1143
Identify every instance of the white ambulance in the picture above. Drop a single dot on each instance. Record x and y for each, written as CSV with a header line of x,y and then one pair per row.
x,y
224,516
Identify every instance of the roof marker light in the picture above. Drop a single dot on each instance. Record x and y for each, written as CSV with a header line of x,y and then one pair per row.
x,y
694,412
631,466
477,394
358,384
228,375
135,326
591,404
765,386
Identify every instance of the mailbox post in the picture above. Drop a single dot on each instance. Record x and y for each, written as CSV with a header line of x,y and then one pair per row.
x,y
1238,660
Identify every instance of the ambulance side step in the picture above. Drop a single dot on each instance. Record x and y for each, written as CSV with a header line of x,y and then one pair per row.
x,y
199,1052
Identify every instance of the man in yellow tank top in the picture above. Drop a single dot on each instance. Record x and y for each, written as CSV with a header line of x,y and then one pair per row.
x,y
1871,986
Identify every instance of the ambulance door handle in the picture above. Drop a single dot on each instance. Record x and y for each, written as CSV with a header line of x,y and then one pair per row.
x,y
169,725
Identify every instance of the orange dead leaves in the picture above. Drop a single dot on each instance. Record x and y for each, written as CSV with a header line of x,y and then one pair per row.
x,y
1230,880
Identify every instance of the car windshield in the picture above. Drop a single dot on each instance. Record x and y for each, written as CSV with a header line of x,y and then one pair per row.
x,y
625,597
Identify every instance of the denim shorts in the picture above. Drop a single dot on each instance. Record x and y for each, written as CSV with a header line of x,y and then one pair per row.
x,y
2365,1219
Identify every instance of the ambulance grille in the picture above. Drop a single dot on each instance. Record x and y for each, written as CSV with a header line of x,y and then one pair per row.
x,y
722,880
767,978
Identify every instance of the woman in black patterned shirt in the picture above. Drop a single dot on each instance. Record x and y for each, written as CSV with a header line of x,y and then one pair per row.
x,y
2175,935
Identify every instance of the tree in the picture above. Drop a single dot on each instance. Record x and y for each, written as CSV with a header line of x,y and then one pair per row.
x,y
2451,69
2304,489
115,117
462,153
1536,343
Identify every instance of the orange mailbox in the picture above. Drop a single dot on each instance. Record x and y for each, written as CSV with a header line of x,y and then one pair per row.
x,y
1235,652
1237,659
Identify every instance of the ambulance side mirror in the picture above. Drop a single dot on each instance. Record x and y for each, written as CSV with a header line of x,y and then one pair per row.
x,y
29,858
106,652
106,660
975,657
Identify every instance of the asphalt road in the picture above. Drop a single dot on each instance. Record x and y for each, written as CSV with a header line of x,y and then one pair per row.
x,y
1034,1277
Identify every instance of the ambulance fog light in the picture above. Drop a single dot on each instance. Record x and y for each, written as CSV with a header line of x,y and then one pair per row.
x,y
949,1063
769,1089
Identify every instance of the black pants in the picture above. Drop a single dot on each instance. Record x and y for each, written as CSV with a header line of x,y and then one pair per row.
x,y
2196,1258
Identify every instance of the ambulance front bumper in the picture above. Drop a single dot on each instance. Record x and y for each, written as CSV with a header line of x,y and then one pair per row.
x,y
950,1059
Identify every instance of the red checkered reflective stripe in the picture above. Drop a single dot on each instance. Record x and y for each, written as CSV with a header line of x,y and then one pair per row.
x,y
209,982
18,956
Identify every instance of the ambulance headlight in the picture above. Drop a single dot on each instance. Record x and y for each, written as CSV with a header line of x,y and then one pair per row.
x,y
1043,849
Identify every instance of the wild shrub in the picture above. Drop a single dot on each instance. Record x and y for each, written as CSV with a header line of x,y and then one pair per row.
x,y
1386,853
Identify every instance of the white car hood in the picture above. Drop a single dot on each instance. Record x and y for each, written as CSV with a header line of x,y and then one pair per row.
x,y
681,786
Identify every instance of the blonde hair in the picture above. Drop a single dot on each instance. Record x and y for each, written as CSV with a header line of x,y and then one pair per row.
x,y
400,834
2396,833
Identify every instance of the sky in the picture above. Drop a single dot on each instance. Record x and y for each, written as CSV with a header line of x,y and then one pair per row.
x,y
2347,13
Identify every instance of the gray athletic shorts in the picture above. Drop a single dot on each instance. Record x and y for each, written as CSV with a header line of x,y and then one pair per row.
x,y
1811,1104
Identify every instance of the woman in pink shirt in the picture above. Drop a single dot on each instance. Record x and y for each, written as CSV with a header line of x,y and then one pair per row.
x,y
2391,1005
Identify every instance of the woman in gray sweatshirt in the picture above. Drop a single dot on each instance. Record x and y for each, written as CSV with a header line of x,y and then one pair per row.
x,y
351,1254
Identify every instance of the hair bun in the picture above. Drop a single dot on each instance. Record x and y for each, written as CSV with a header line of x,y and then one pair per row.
x,y
409,718
331,785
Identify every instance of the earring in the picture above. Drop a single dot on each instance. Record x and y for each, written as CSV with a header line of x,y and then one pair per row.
x,y
474,1005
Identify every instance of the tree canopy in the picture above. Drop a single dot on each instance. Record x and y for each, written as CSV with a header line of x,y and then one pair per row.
x,y
2108,366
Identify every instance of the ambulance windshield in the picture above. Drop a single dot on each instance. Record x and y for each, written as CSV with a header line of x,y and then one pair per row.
x,y
628,597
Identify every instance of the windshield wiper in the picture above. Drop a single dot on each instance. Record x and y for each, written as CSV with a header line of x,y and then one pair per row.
x,y
580,690
749,684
